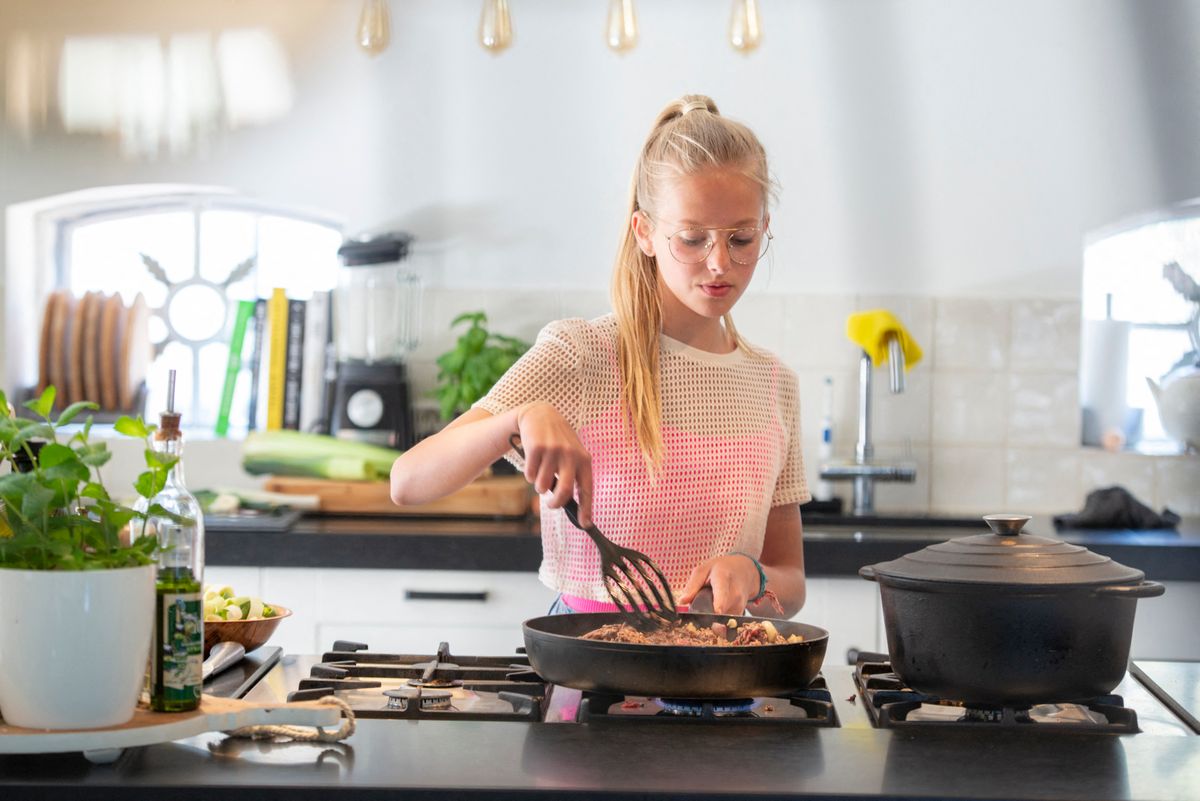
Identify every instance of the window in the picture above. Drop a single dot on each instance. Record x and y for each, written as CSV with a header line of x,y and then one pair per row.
x,y
192,255
1135,322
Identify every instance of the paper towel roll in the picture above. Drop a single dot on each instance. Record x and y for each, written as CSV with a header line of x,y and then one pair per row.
x,y
1103,365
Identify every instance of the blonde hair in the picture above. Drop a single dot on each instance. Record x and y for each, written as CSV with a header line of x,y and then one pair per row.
x,y
689,136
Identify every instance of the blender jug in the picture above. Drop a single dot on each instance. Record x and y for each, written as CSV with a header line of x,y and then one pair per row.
x,y
376,322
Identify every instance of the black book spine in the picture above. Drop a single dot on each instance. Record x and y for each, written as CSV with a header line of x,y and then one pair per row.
x,y
256,357
293,375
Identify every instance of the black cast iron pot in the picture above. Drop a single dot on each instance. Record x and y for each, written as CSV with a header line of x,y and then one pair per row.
x,y
1009,618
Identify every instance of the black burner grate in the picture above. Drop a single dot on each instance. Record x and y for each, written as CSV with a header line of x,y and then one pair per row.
x,y
426,686
891,704
811,707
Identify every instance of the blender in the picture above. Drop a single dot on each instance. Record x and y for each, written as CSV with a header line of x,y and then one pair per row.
x,y
376,319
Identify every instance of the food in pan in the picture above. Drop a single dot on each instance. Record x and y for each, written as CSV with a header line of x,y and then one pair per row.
x,y
756,632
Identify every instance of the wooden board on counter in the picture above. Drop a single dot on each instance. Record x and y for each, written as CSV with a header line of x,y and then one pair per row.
x,y
495,496
148,727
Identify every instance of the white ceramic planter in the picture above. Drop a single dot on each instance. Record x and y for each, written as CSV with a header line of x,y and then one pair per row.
x,y
73,645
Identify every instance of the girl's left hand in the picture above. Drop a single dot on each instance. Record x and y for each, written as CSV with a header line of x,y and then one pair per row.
x,y
734,581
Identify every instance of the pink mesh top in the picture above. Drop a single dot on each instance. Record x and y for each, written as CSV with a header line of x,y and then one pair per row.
x,y
731,451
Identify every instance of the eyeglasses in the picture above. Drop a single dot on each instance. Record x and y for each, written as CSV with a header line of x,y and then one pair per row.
x,y
746,245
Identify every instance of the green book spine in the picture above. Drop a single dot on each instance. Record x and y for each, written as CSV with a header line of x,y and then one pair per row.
x,y
245,309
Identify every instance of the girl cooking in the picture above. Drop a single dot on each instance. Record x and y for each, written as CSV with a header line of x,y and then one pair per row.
x,y
678,438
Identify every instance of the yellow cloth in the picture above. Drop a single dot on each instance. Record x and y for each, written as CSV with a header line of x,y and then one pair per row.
x,y
870,330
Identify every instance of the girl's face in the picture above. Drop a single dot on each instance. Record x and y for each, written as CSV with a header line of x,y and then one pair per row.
x,y
689,208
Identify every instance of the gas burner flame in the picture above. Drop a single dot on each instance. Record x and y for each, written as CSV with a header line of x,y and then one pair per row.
x,y
727,707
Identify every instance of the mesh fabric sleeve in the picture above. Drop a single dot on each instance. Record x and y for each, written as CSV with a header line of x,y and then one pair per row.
x,y
792,486
549,371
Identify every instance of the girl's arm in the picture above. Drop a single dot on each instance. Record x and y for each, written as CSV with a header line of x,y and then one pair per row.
x,y
783,562
452,458
734,578
456,455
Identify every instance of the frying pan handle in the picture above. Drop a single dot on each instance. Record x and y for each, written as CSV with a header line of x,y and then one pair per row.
x,y
1145,589
868,572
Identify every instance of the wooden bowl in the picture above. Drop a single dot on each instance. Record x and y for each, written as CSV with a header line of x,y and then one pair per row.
x,y
250,633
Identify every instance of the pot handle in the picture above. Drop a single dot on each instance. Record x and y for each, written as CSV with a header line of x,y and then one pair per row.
x,y
1145,589
868,572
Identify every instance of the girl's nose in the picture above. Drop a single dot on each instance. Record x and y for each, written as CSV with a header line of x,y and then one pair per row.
x,y
718,256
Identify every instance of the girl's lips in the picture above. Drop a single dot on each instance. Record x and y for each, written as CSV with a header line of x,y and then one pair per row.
x,y
716,290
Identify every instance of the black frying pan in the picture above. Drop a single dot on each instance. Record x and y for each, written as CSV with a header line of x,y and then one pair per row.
x,y
560,656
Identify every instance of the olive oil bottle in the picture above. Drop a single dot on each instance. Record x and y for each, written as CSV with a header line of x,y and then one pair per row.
x,y
177,649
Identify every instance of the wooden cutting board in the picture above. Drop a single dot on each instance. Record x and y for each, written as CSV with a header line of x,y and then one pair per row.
x,y
53,300
84,371
136,353
112,333
90,348
59,346
148,727
496,496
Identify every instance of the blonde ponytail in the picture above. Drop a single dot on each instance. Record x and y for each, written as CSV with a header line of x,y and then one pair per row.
x,y
688,136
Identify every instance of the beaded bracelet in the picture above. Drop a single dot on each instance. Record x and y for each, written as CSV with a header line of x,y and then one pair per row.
x,y
762,575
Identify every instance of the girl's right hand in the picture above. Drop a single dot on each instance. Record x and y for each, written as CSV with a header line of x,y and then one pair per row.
x,y
555,459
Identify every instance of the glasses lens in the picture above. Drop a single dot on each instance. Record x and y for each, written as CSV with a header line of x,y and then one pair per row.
x,y
747,245
691,246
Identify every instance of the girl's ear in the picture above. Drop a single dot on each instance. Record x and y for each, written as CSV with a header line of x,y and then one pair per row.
x,y
643,232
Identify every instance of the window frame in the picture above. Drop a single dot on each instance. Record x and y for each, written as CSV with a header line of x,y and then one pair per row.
x,y
38,237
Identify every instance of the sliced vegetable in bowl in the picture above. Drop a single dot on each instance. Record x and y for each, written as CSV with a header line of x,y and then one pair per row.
x,y
229,617
222,604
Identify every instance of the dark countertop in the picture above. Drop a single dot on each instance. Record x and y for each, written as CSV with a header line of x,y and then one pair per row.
x,y
499,761
830,548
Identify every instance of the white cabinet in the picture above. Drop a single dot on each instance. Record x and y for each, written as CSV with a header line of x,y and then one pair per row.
x,y
397,611
848,608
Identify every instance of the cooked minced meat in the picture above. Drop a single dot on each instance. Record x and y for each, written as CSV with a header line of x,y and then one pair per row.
x,y
757,632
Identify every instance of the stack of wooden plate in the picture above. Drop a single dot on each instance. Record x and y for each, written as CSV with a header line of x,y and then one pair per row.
x,y
95,348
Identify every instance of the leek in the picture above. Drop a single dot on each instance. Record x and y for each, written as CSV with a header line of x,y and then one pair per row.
x,y
293,453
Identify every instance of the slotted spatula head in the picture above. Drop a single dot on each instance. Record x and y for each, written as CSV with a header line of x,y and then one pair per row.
x,y
634,583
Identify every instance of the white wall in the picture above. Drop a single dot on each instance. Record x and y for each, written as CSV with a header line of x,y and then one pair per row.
x,y
925,150
922,146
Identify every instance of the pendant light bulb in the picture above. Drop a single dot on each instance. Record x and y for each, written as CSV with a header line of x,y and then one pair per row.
x,y
374,26
622,30
745,27
495,26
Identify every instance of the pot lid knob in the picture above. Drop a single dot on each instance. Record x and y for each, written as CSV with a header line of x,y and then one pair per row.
x,y
1006,525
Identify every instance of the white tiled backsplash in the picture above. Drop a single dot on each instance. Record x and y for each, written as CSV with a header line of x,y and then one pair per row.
x,y
990,415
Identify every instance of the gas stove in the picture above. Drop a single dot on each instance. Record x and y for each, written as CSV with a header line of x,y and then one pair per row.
x,y
448,687
892,704
438,685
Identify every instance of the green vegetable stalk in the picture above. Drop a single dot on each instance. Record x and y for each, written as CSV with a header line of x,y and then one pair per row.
x,y
293,453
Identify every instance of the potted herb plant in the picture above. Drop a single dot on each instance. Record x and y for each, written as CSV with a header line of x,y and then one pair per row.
x,y
468,370
76,595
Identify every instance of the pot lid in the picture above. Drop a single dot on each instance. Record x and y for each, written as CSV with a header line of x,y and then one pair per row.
x,y
1006,556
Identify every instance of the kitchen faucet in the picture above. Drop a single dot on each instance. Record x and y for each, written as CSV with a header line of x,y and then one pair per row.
x,y
863,471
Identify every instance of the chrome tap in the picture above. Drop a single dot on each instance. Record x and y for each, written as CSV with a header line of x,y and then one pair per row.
x,y
864,471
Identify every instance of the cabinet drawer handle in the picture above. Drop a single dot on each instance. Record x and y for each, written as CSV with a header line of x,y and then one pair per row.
x,y
436,595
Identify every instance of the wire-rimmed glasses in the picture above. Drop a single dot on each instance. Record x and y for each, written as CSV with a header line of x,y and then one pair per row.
x,y
745,245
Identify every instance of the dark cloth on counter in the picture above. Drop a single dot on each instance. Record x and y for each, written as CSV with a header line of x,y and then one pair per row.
x,y
1115,507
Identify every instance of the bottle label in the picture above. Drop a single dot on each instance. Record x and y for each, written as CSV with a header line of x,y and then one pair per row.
x,y
181,637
